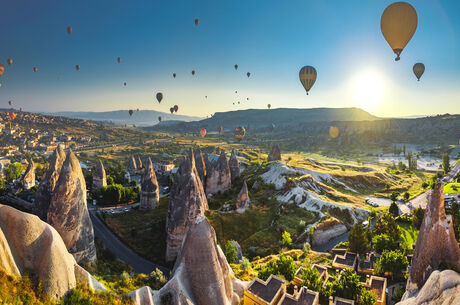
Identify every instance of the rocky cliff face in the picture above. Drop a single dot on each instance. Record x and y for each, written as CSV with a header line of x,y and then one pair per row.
x,y
139,162
99,176
200,166
29,175
234,165
150,194
275,154
29,245
48,183
218,177
68,213
243,201
436,242
187,202
132,165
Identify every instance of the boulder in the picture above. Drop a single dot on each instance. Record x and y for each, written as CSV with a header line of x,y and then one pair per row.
x,y
48,183
68,212
99,176
29,175
31,246
327,230
243,201
132,165
187,202
234,165
436,242
275,154
150,194
200,166
218,178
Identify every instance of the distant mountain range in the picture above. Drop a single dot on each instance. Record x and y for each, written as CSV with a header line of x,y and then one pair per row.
x,y
122,117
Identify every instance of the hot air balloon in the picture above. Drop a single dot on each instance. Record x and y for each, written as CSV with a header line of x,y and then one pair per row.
x,y
69,30
174,75
238,103
334,131
10,103
219,129
124,84
137,109
269,106
239,132
9,61
418,69
171,110
248,74
77,67
233,103
236,91
307,76
247,98
20,109
236,67
130,112
205,96
2,69
176,108
398,25
197,21
159,97
159,118
119,59
202,132
193,72
12,116
35,69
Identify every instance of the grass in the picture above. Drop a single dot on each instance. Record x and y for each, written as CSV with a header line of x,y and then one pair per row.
x,y
449,188
408,234
143,231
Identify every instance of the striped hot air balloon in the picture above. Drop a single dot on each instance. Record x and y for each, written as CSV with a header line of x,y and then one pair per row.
x,y
418,69
307,76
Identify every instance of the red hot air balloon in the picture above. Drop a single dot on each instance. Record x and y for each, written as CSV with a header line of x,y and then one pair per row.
x,y
2,69
176,108
77,67
119,59
197,21
219,129
69,30
202,132
35,69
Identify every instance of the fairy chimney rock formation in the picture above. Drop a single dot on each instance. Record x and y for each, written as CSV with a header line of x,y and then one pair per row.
x,y
234,165
243,201
132,165
187,202
150,194
436,242
68,213
29,175
275,154
200,166
99,176
48,183
138,162
218,177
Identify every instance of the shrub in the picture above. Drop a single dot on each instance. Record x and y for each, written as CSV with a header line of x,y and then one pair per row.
x,y
230,252
306,248
382,242
286,240
245,264
357,240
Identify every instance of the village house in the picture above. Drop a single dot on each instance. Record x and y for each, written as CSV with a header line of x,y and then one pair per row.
x,y
346,261
378,285
367,263
303,297
340,301
265,293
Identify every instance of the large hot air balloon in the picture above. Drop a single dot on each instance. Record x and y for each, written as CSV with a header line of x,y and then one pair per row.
x,y
236,67
174,75
334,131
418,69
10,103
171,110
12,116
202,132
219,129
77,67
159,97
159,118
269,106
176,108
130,112
35,69
9,61
398,25
2,69
69,30
119,59
307,76
248,74
197,21
239,132
193,72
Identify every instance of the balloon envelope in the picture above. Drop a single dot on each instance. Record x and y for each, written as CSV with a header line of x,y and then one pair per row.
x,y
159,97
248,74
239,132
130,112
418,69
77,67
307,76
197,21
176,108
219,129
193,72
2,69
10,103
236,67
159,118
35,69
119,59
69,30
334,132
269,106
398,24
203,132
171,109
9,61
174,75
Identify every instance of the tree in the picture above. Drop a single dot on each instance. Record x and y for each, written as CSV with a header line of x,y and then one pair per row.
x,y
230,252
357,240
392,261
306,248
245,264
394,210
419,213
406,196
286,240
367,297
394,196
13,172
384,242
283,266
348,286
386,224
445,163
310,278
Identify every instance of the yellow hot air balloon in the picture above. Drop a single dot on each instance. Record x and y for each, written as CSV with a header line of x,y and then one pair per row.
x,y
2,69
307,76
9,61
418,69
398,25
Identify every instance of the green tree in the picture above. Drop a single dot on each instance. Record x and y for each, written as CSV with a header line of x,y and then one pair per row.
x,y
394,196
245,264
386,224
230,252
419,213
311,278
406,196
367,297
286,240
445,163
13,172
283,266
393,261
382,242
306,248
348,286
394,210
357,240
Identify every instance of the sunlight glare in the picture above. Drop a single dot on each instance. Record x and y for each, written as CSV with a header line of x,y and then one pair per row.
x,y
368,89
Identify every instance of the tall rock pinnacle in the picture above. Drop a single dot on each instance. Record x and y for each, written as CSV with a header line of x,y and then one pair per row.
x,y
234,165
218,176
99,176
150,194
29,175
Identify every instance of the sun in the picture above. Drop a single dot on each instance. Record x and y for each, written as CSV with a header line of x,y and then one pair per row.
x,y
368,89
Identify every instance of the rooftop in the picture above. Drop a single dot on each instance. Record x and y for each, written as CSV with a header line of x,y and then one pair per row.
x,y
304,297
340,301
348,259
266,290
377,285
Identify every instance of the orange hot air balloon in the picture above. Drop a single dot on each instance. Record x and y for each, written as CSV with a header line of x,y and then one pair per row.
x,y
35,69
119,59
13,115
69,30
176,108
193,72
236,67
202,132
248,74
2,69
219,129
197,21
334,131
174,75
77,67
9,61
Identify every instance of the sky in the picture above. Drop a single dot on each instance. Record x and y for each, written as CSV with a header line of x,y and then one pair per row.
x,y
271,39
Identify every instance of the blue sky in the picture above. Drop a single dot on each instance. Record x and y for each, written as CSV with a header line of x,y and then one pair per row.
x,y
272,39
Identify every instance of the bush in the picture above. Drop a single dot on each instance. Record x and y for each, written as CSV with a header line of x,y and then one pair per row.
x,y
230,252
283,267
394,210
348,286
382,242
306,248
394,262
357,240
419,213
367,297
13,172
286,240
310,278
245,264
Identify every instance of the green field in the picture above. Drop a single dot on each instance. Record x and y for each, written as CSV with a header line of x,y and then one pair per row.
x,y
449,188
408,234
